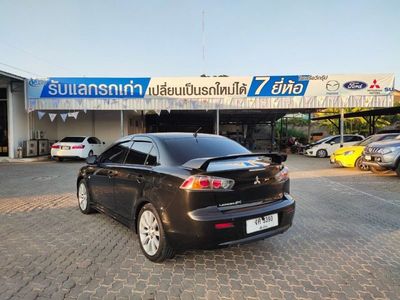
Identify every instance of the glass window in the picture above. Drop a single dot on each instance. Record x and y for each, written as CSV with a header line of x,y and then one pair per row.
x,y
72,139
182,150
116,154
152,158
335,140
92,140
138,153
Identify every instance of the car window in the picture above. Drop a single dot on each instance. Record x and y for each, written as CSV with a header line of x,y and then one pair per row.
x,y
182,150
389,137
97,140
350,138
335,140
116,154
152,157
138,153
72,139
92,140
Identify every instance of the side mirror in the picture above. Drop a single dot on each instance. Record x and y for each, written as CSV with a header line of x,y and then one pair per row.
x,y
332,143
91,160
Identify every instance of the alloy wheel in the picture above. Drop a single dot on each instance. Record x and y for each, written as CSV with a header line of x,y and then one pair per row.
x,y
149,232
82,197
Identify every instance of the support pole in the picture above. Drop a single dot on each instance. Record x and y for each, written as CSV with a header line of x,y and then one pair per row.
x,y
309,128
122,123
272,135
217,123
341,126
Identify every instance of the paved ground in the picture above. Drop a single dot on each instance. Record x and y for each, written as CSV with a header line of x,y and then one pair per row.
x,y
345,243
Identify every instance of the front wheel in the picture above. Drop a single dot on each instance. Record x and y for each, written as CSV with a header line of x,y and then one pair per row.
x,y
360,165
152,237
322,153
398,169
378,170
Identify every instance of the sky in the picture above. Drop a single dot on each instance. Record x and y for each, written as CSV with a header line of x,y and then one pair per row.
x,y
158,38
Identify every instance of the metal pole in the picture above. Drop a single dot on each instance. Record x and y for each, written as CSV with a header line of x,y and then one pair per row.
x,y
217,123
122,123
309,128
341,126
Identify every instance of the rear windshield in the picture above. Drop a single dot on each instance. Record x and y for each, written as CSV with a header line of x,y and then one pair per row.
x,y
182,150
72,139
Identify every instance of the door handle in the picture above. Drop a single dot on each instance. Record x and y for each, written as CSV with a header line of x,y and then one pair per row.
x,y
139,178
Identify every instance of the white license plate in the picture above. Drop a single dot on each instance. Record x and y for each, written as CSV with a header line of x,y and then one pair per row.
x,y
367,157
65,147
261,223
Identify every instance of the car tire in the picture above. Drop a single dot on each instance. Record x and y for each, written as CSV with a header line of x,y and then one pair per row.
x,y
84,198
90,153
378,170
60,159
322,153
151,235
398,169
360,164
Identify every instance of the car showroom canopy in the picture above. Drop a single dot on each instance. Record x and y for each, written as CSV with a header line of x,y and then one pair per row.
x,y
208,93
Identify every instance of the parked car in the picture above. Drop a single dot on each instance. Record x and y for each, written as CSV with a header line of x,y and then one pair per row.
x,y
328,145
185,191
351,156
76,147
383,156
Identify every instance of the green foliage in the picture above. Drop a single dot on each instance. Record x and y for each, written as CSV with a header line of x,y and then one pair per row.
x,y
301,136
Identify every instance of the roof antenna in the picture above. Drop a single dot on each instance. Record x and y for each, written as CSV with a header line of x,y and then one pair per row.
x,y
197,131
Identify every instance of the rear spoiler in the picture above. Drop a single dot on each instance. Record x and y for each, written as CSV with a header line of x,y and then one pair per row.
x,y
202,163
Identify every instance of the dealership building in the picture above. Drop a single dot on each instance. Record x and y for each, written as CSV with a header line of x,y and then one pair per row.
x,y
34,109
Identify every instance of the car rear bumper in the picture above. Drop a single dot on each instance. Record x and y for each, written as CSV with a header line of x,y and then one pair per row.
x,y
67,153
199,231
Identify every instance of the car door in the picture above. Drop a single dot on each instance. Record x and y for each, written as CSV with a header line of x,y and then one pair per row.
x,y
333,145
102,180
135,175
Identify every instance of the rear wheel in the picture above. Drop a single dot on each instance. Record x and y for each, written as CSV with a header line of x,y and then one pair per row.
x,y
60,159
90,153
322,153
84,198
360,164
152,237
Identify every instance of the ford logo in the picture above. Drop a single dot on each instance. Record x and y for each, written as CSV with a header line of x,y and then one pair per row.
x,y
355,85
36,82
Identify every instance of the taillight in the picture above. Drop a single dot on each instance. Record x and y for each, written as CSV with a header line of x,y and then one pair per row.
x,y
283,174
55,146
201,182
78,147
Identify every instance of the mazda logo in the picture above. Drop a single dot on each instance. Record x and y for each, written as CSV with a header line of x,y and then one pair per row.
x,y
332,85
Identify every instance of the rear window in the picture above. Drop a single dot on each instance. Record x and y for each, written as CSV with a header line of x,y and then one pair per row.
x,y
182,150
73,139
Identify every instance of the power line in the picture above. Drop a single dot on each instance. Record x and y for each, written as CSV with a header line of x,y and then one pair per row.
x,y
22,70
36,57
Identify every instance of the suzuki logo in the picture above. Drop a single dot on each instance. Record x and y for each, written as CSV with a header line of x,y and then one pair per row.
x,y
374,85
257,181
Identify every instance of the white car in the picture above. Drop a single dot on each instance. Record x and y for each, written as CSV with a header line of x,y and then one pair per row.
x,y
328,145
76,147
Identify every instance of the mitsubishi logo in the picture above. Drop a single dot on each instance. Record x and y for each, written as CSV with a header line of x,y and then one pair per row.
x,y
374,85
257,181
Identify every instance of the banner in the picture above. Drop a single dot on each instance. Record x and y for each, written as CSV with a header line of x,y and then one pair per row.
x,y
211,92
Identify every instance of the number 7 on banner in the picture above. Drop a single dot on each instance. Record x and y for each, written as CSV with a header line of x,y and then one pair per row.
x,y
264,80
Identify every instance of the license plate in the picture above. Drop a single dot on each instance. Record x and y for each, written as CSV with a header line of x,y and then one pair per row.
x,y
65,147
261,223
367,157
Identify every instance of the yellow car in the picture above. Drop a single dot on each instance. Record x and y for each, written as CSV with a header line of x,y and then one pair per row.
x,y
350,156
